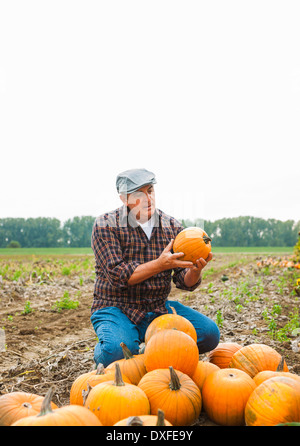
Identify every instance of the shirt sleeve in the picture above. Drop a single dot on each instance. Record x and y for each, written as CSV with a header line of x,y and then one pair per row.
x,y
108,256
178,279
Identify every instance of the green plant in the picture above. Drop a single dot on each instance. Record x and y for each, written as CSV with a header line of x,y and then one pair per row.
x,y
219,319
27,308
65,302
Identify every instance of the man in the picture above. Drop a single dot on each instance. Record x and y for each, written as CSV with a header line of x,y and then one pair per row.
x,y
135,267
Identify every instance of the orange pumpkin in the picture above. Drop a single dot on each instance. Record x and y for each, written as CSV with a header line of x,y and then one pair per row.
x,y
132,366
111,401
194,243
79,386
222,354
171,348
266,374
203,369
225,394
172,320
173,392
255,358
16,405
275,401
71,415
145,420
108,375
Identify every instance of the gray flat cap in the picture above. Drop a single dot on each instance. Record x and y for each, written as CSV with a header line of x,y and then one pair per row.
x,y
133,179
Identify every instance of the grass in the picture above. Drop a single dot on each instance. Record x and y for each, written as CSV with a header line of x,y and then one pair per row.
x,y
45,251
88,251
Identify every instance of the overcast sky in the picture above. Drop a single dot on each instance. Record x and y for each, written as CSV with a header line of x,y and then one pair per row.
x,y
204,94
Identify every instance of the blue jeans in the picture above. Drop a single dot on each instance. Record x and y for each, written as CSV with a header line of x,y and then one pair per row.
x,y
113,327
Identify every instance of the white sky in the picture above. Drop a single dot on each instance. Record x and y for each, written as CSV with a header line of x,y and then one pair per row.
x,y
206,94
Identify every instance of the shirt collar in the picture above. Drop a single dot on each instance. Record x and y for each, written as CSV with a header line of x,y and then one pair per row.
x,y
127,219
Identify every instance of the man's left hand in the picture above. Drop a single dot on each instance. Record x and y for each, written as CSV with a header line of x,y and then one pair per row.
x,y
201,263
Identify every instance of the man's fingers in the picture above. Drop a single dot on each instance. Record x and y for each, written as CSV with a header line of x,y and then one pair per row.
x,y
169,246
183,264
177,254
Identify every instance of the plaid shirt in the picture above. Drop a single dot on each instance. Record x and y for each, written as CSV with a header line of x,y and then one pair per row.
x,y
120,245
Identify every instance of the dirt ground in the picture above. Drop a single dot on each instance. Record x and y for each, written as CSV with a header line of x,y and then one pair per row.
x,y
45,347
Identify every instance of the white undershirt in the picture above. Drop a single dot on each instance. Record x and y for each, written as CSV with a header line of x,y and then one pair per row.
x,y
148,226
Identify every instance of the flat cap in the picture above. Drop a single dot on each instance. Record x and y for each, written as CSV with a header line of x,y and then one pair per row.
x,y
133,179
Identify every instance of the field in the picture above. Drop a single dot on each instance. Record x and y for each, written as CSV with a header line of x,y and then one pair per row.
x,y
46,338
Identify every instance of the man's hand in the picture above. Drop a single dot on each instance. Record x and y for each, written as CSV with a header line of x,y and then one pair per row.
x,y
168,260
193,274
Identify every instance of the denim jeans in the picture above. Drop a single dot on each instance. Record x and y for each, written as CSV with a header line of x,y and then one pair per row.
x,y
113,327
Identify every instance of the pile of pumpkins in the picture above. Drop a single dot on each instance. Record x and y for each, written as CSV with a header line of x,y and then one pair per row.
x,y
167,385
285,262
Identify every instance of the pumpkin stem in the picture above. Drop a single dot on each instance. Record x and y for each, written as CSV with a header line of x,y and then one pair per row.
x,y
280,365
134,421
206,239
174,383
46,404
85,393
160,418
173,310
118,376
126,352
100,369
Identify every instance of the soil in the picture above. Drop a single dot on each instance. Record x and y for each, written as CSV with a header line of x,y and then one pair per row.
x,y
46,347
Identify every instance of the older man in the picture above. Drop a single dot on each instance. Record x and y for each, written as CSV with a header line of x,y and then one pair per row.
x,y
135,267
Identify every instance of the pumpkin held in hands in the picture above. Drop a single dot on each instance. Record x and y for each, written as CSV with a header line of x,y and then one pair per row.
x,y
194,243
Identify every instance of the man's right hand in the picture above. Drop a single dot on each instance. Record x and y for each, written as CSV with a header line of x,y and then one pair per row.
x,y
169,260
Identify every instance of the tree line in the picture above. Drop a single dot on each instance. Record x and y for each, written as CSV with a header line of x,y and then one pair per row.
x,y
47,232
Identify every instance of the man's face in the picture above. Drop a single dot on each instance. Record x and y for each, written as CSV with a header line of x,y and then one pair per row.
x,y
141,203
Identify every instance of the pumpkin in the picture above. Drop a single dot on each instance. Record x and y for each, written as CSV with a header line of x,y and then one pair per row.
x,y
171,348
131,365
145,420
16,405
266,374
222,354
203,369
111,401
175,393
72,415
193,242
170,320
275,401
225,393
79,386
255,358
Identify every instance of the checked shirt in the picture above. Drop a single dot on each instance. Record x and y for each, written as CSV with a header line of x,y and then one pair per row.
x,y
120,245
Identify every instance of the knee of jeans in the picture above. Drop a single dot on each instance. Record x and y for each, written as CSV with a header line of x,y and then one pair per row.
x,y
212,339
110,350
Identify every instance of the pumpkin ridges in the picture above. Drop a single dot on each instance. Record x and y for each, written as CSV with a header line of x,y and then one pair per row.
x,y
12,406
112,401
225,393
266,374
171,348
276,400
192,239
63,416
182,406
254,358
222,354
132,366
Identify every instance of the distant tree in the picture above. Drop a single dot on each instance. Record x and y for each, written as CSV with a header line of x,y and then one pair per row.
x,y
14,244
77,231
